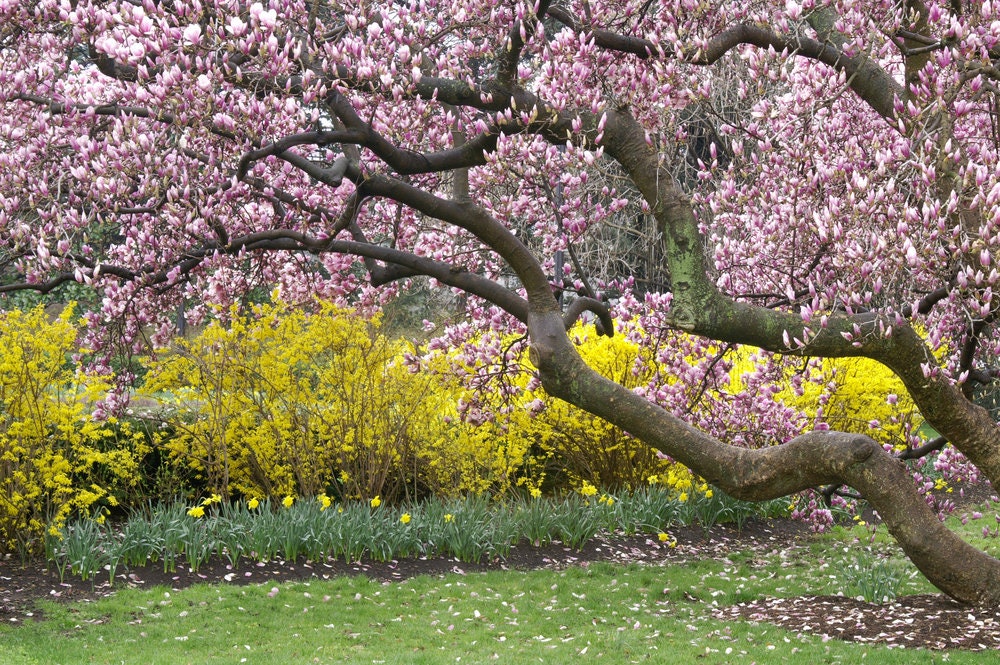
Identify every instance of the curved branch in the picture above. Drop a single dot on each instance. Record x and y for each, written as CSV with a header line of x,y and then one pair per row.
x,y
296,241
817,458
605,324
320,138
934,445
477,221
511,51
700,308
865,77
607,39
402,161
40,287
118,111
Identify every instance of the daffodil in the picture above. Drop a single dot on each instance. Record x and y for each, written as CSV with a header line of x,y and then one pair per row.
x,y
663,536
324,501
253,504
588,489
197,511
449,517
405,518
376,502
288,501
535,492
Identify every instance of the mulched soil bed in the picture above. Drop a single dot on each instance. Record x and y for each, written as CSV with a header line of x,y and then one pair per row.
x,y
930,621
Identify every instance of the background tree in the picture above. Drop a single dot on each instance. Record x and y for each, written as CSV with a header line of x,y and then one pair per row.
x,y
822,177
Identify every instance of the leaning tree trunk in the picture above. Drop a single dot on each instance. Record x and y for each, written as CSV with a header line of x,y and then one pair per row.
x,y
817,458
700,308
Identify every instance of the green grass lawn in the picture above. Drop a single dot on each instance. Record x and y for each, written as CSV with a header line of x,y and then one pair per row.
x,y
602,613
598,613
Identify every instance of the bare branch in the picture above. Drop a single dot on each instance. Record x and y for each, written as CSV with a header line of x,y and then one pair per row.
x,y
934,445
605,324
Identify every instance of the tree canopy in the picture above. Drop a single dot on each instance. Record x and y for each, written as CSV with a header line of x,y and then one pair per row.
x,y
817,179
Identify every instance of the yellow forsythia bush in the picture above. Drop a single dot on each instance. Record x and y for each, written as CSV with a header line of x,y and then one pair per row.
x,y
454,456
54,457
847,394
582,447
283,403
529,438
858,395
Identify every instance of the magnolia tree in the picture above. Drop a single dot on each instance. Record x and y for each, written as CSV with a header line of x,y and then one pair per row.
x,y
817,179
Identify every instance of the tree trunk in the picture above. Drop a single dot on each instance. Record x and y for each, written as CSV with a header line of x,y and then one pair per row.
x,y
700,308
817,458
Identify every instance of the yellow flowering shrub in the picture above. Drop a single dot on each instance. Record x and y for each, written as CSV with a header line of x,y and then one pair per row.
x,y
287,403
586,449
527,438
458,456
54,457
858,395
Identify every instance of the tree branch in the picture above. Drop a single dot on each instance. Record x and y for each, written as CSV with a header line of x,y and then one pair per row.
x,y
607,39
934,445
510,55
865,77
605,324
814,459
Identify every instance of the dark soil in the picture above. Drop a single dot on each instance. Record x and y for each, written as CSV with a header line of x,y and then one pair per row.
x,y
930,621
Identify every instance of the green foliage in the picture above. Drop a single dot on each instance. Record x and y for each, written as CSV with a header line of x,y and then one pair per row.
x,y
874,578
54,457
469,529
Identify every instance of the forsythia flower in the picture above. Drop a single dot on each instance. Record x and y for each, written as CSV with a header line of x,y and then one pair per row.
x,y
405,518
588,489
288,501
197,511
376,502
253,504
324,500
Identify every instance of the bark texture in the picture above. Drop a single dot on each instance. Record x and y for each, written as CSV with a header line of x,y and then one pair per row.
x,y
952,565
